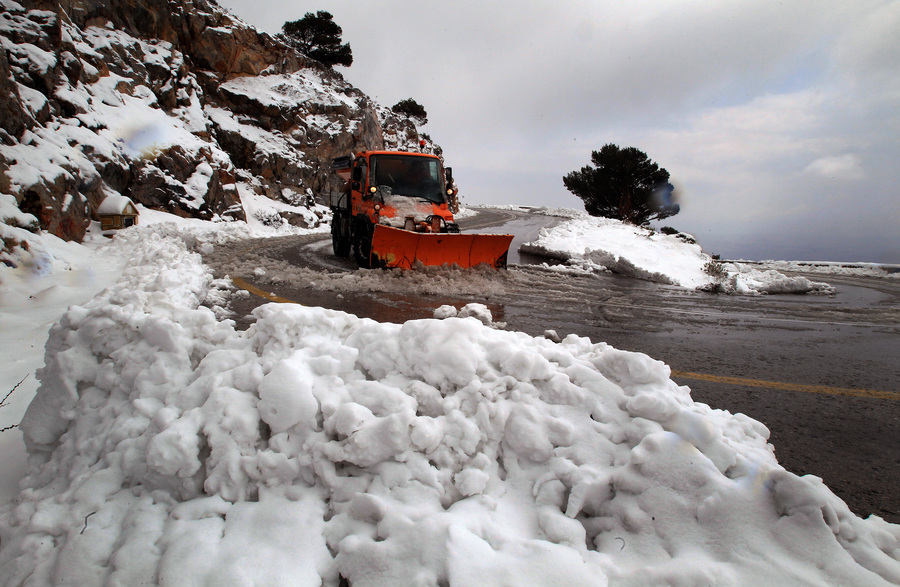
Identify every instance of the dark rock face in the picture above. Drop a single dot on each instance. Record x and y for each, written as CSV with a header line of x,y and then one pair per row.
x,y
59,207
173,103
13,118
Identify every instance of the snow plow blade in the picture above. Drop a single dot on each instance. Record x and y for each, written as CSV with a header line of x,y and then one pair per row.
x,y
393,247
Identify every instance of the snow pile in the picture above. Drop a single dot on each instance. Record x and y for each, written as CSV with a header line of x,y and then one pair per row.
x,y
558,212
167,448
40,277
465,212
513,207
741,278
202,234
607,244
478,311
833,268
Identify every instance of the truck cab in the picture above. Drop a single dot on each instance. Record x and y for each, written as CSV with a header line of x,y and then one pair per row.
x,y
409,191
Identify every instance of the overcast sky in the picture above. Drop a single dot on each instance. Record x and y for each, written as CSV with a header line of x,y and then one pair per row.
x,y
777,120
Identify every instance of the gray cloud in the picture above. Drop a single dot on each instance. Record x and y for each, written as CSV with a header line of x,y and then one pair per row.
x,y
776,120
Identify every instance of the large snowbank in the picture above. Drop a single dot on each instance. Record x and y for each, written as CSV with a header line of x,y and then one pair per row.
x,y
41,275
39,278
168,448
607,244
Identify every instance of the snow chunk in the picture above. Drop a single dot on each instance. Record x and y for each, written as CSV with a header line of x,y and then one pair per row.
x,y
472,310
479,311
445,311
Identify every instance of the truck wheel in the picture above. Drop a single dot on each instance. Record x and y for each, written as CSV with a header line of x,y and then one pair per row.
x,y
340,234
362,244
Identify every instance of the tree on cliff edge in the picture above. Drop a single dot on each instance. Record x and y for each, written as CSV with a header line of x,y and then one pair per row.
x,y
623,184
318,37
411,109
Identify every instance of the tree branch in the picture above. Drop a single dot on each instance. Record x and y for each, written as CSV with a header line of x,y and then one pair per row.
x,y
6,397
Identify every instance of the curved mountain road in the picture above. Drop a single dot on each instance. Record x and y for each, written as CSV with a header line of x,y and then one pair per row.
x,y
822,372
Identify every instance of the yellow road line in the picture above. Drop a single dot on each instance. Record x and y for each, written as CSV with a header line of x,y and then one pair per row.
x,y
258,292
866,393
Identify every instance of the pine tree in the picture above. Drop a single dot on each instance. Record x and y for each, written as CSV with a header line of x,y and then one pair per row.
x,y
623,184
318,37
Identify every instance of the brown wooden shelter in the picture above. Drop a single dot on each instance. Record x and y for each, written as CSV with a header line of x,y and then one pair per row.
x,y
116,212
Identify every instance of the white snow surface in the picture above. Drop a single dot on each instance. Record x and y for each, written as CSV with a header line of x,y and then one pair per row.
x,y
465,212
168,448
589,242
832,268
543,210
289,90
44,275
38,281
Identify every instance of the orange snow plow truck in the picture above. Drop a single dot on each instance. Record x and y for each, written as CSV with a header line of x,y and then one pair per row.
x,y
394,211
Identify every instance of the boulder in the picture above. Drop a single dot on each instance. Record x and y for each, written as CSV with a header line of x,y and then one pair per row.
x,y
60,209
303,221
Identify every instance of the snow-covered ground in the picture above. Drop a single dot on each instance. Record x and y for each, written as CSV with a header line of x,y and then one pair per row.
x,y
603,244
167,447
879,270
49,276
544,210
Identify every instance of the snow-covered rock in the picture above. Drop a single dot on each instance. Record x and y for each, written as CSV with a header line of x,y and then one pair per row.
x,y
176,105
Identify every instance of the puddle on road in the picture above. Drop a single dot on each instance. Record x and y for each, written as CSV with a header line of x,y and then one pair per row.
x,y
303,269
382,307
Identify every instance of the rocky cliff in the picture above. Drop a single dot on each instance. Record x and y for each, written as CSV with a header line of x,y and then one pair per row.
x,y
174,103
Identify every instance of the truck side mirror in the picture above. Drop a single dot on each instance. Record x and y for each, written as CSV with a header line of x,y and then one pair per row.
x,y
448,174
357,173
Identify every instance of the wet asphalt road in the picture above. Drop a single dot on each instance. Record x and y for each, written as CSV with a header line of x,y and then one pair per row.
x,y
850,340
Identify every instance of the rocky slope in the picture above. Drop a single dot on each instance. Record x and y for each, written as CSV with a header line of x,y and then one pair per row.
x,y
174,103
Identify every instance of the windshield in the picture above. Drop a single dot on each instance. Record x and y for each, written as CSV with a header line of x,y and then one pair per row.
x,y
408,175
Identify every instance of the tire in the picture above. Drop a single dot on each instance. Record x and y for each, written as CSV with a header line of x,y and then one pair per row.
x,y
362,243
340,234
